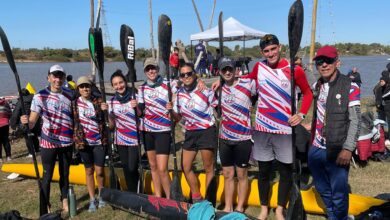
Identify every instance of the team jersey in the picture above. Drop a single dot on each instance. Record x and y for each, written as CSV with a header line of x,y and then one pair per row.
x,y
196,107
274,90
156,118
55,110
125,132
236,114
354,99
88,122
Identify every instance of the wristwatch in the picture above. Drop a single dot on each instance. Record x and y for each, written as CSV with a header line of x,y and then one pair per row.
x,y
303,116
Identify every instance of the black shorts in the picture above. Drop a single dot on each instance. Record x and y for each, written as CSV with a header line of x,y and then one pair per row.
x,y
158,141
235,153
200,139
93,155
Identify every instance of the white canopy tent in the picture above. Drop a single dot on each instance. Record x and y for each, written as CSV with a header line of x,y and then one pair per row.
x,y
233,30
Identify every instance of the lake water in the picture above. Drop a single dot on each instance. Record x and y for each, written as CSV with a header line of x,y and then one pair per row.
x,y
370,68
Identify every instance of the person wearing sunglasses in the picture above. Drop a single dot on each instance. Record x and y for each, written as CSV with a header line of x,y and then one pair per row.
x,y
272,133
195,106
235,132
152,99
89,137
335,126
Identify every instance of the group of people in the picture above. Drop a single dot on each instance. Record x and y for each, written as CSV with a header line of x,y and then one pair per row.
x,y
76,121
382,98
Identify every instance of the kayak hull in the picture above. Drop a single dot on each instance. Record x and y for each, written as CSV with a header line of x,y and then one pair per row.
x,y
311,199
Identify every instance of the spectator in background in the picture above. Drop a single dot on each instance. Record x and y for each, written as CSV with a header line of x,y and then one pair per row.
x,y
15,121
200,53
382,101
354,75
70,83
182,52
174,62
5,114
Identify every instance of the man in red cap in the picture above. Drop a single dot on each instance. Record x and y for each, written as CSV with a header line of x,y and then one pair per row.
x,y
335,129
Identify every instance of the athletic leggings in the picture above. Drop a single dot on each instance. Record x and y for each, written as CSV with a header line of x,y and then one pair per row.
x,y
130,161
48,156
285,182
4,141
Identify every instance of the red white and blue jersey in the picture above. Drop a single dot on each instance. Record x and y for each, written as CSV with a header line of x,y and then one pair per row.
x,y
88,122
156,117
55,110
236,110
196,107
274,90
125,125
354,100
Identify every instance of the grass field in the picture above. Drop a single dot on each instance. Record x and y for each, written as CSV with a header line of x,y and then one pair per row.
x,y
22,193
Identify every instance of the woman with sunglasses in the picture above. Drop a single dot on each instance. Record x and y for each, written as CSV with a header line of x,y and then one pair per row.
x,y
235,132
122,118
152,99
89,137
196,107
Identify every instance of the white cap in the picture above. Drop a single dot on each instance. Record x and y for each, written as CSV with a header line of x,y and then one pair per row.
x,y
56,68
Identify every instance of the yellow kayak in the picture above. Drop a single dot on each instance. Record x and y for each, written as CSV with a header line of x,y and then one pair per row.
x,y
311,199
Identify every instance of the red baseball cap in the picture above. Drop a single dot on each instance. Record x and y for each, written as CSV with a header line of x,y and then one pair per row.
x,y
326,51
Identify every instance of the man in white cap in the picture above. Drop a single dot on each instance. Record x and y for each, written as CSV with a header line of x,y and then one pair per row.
x,y
53,105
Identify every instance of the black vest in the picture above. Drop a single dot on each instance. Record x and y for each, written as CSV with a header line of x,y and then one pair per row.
x,y
336,114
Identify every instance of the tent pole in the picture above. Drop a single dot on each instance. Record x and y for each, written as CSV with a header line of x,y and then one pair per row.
x,y
244,46
191,52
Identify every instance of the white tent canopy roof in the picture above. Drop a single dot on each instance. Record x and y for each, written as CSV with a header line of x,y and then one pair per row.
x,y
233,30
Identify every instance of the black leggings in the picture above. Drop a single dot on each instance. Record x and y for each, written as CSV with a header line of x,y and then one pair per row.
x,y
4,141
130,161
285,182
48,156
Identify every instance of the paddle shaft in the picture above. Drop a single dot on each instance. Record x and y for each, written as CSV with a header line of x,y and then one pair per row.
x,y
43,202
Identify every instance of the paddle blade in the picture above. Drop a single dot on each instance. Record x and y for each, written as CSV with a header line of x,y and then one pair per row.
x,y
295,209
99,50
165,39
175,190
127,41
220,33
211,191
91,44
7,50
295,27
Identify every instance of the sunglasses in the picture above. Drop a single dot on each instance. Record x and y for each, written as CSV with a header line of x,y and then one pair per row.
x,y
150,68
84,85
188,74
226,69
326,60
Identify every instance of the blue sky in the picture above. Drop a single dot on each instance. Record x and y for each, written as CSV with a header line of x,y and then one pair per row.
x,y
65,23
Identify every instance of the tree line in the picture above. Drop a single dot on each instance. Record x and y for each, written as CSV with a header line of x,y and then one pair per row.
x,y
112,54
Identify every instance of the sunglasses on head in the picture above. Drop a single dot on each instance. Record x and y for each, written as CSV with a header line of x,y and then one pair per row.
x,y
84,85
188,74
326,60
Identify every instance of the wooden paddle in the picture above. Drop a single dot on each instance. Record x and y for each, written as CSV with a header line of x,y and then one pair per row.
x,y
97,54
295,26
127,42
43,202
164,42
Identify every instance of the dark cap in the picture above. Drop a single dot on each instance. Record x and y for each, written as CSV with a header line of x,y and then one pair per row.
x,y
225,62
268,39
57,70
326,51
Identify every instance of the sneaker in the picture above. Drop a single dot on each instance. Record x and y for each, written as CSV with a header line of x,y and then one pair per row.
x,y
29,156
101,203
9,159
92,206
387,143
